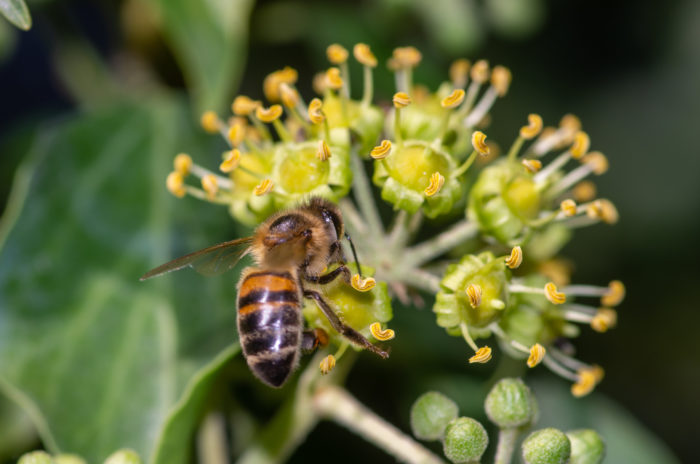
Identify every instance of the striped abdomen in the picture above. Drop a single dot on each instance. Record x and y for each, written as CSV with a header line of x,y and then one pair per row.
x,y
270,324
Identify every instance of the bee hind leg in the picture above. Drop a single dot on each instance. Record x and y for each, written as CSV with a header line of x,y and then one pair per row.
x,y
312,339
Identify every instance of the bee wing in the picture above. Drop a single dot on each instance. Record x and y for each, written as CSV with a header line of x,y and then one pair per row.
x,y
210,261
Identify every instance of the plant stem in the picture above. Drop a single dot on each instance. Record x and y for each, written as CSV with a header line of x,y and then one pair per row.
x,y
211,440
364,197
438,245
421,279
337,404
506,445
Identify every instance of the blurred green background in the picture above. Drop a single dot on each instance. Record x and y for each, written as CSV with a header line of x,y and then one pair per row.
x,y
98,97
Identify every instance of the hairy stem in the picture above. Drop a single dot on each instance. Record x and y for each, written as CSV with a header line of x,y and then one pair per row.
x,y
421,279
363,195
438,245
506,445
337,404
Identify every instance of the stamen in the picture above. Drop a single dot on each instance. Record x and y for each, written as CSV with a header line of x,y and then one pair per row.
x,y
319,83
585,384
327,364
182,164
315,111
615,295
604,319
557,270
436,182
568,207
554,296
516,258
532,165
483,355
480,72
333,79
459,73
271,84
244,106
236,133
537,353
324,151
337,54
604,210
175,184
594,162
362,285
584,191
381,335
597,161
454,99
479,143
364,55
500,80
210,186
580,146
268,114
401,100
381,151
263,187
231,162
210,122
289,95
570,122
533,128
407,57
474,294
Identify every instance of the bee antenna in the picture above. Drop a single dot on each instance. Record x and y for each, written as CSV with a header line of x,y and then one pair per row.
x,y
354,254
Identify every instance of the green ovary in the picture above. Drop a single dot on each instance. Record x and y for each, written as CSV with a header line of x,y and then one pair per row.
x,y
412,167
303,171
522,198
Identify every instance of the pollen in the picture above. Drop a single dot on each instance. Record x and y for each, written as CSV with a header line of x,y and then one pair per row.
x,y
604,210
483,355
570,122
401,100
580,146
459,72
480,71
236,133
597,161
437,180
381,335
585,384
333,79
533,128
537,353
263,187
568,207
554,296
364,55
500,79
479,143
175,184
474,294
268,114
210,185
532,165
615,294
337,54
315,113
362,285
407,57
210,122
454,99
289,95
327,364
604,319
324,151
230,163
584,191
182,164
243,106
271,84
516,258
381,151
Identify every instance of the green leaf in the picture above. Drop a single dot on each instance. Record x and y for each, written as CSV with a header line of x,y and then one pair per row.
x,y
96,358
209,40
17,13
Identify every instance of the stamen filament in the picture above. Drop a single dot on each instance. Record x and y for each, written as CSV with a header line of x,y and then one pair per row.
x,y
559,369
466,165
425,251
552,167
282,131
515,148
586,290
571,179
368,86
468,338
201,172
483,107
364,197
202,195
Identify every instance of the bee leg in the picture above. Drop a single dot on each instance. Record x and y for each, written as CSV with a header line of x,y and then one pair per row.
x,y
312,339
346,331
331,276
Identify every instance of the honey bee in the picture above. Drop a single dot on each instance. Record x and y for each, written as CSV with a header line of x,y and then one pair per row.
x,y
290,249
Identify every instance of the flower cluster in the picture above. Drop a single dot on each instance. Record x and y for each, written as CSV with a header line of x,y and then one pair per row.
x,y
429,156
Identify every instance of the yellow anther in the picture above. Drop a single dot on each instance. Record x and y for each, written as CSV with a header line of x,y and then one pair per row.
x,y
537,353
533,128
381,151
584,191
480,71
315,111
243,106
401,100
337,54
483,355
454,99
554,296
175,184
268,114
597,161
210,185
585,384
231,161
568,207
362,285
319,83
558,270
324,151
333,79
580,146
459,71
289,95
474,294
437,180
516,258
381,335
479,143
570,122
210,122
407,57
615,294
598,373
364,55
500,79
182,164
271,84
327,364
532,165
236,133
604,210
263,187
604,319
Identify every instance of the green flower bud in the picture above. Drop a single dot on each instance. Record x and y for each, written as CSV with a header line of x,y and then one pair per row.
x,y
465,440
587,447
245,206
430,415
510,403
546,446
68,459
365,121
36,457
124,456
547,242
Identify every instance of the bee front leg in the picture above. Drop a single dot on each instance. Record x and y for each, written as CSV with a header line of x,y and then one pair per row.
x,y
345,330
331,276
312,339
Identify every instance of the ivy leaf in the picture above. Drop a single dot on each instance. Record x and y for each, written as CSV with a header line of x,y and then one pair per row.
x,y
17,13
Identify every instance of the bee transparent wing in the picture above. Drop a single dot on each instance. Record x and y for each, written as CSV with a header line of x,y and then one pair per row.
x,y
210,261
